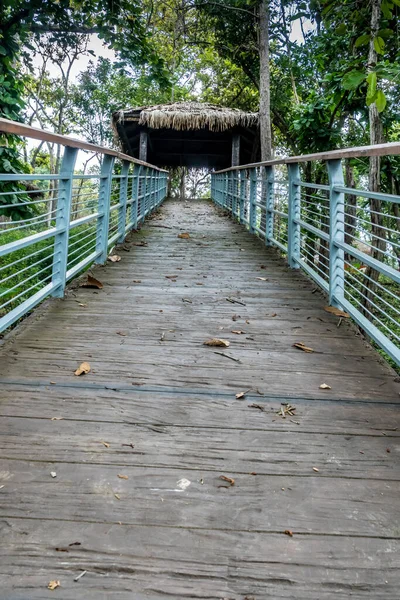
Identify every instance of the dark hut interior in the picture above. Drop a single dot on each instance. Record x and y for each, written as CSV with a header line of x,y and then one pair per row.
x,y
189,134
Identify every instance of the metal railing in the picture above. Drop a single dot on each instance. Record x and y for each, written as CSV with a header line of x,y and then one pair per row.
x,y
346,239
53,226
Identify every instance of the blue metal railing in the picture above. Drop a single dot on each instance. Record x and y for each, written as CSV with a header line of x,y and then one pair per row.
x,y
347,240
53,226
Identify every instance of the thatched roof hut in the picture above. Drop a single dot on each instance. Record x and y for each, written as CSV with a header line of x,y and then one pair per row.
x,y
190,134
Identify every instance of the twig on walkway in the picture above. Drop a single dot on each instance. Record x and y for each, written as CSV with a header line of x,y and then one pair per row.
x,y
234,301
227,356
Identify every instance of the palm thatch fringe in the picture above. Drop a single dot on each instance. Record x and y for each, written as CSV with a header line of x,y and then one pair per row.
x,y
184,116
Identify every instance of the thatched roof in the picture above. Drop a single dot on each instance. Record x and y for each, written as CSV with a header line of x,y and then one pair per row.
x,y
191,134
186,116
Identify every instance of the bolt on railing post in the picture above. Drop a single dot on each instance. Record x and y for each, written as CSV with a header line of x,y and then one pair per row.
x,y
336,254
294,209
123,196
61,238
253,199
269,204
103,220
242,177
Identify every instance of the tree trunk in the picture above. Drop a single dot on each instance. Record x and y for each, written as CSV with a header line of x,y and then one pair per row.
x,y
351,209
265,104
376,137
182,184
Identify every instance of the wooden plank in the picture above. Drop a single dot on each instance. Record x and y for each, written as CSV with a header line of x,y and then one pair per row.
x,y
86,493
238,450
141,404
120,561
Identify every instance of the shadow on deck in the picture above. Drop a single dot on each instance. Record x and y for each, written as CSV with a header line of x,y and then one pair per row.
x,y
139,444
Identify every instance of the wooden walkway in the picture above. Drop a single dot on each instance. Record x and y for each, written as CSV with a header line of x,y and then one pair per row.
x,y
139,444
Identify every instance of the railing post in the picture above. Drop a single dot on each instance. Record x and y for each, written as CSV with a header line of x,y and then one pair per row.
x,y
104,208
336,263
146,194
135,195
253,199
60,258
242,194
294,215
123,196
234,193
225,190
269,204
152,188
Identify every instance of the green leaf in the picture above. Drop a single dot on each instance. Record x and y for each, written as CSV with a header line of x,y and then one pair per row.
x,y
379,45
363,40
380,100
341,29
396,2
385,8
352,80
385,33
3,51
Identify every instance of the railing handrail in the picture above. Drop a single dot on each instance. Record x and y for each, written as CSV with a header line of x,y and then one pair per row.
x,y
390,148
13,127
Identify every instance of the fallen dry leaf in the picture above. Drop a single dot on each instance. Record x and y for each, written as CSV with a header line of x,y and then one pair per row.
x,y
228,479
237,331
241,394
274,315
315,469
302,347
140,244
121,333
336,311
171,276
114,258
136,281
288,532
83,369
325,386
216,342
92,282
262,278
106,444
52,585
123,476
53,474
235,317
56,418
184,236
117,496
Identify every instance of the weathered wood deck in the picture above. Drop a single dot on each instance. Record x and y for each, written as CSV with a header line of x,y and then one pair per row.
x,y
171,528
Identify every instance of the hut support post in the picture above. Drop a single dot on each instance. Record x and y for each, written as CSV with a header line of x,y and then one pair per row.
x,y
235,149
144,138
